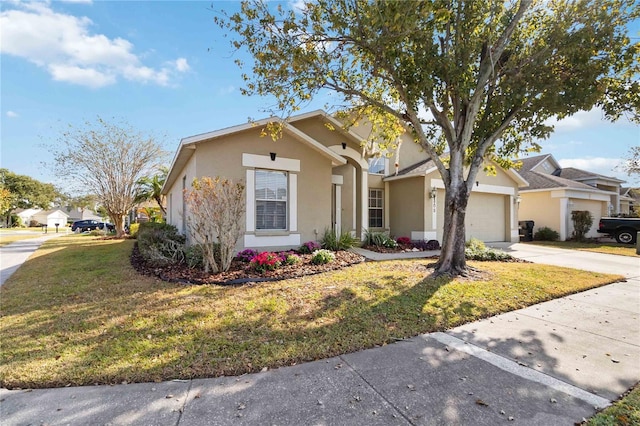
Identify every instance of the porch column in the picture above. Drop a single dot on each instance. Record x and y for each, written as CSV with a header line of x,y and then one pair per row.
x,y
364,202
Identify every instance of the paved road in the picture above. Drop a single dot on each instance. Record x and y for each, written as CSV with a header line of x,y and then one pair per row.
x,y
549,364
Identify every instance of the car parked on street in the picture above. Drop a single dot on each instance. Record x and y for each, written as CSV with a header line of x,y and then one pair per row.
x,y
90,225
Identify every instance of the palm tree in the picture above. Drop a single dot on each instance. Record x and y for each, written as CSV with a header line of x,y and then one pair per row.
x,y
150,187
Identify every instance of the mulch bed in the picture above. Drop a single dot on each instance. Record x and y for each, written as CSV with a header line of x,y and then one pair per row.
x,y
241,272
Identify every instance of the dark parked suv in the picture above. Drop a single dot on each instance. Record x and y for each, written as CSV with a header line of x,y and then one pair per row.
x,y
90,225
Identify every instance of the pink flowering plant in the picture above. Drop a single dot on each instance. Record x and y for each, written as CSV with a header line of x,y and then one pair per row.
x,y
266,261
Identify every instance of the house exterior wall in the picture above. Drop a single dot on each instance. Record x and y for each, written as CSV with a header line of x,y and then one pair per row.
x,y
176,209
407,208
541,208
596,208
309,186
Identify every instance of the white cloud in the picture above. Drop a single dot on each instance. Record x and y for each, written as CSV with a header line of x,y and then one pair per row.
x,y
12,114
578,120
182,65
65,46
226,90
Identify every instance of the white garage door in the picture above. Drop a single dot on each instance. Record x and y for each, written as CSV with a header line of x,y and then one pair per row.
x,y
485,219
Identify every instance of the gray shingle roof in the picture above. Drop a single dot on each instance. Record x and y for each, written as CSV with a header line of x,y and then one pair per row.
x,y
530,162
418,169
539,180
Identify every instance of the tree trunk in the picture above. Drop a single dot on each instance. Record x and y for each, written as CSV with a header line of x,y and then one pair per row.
x,y
118,222
452,260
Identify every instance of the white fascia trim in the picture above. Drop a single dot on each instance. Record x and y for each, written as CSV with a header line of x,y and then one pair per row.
x,y
250,215
483,187
337,179
252,240
423,235
265,162
227,131
581,194
293,202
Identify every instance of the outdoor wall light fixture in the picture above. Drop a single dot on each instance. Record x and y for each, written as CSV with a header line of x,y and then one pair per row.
x,y
433,193
344,145
518,199
273,156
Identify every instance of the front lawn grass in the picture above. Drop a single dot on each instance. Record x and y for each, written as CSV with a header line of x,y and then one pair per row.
x,y
625,412
77,313
607,248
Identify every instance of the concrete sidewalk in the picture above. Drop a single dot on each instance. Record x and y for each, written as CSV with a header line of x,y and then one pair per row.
x,y
13,255
548,364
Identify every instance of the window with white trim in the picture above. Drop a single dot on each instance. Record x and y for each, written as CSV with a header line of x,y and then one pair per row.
x,y
271,199
376,165
376,197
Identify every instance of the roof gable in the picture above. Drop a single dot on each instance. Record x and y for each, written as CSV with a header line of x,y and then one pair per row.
x,y
187,145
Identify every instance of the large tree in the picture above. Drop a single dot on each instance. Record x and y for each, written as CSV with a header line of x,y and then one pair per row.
x,y
24,192
107,159
472,80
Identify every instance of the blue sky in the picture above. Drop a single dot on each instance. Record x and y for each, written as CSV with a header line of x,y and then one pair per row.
x,y
166,68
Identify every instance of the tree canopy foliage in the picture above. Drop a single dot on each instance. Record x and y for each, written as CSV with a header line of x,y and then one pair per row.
x,y
24,192
107,160
476,80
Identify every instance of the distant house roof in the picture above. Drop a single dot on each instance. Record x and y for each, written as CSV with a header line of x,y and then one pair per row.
x,y
530,163
578,174
539,180
568,177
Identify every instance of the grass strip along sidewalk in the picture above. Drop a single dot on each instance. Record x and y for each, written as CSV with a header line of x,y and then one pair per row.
x,y
77,313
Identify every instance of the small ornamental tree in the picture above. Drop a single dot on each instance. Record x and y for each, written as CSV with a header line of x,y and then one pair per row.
x,y
582,221
107,160
216,207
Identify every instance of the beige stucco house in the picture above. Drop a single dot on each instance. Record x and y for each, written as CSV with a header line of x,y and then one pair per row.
x,y
554,192
315,177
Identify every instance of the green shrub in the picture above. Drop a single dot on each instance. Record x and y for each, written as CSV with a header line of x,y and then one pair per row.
x,y
194,256
582,221
379,239
331,241
546,234
292,259
160,244
133,230
477,250
322,256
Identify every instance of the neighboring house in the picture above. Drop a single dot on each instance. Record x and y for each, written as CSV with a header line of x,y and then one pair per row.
x,y
314,178
26,215
629,198
76,213
51,218
554,192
